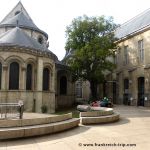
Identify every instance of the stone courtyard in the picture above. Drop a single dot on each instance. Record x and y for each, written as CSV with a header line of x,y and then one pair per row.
x,y
133,128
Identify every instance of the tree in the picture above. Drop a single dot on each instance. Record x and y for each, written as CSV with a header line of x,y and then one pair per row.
x,y
90,41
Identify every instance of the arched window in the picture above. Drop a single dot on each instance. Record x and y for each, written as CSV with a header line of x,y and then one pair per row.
x,y
40,39
14,76
63,85
0,74
46,79
29,77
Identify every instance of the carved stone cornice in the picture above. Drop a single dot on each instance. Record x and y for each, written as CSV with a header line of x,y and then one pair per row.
x,y
28,50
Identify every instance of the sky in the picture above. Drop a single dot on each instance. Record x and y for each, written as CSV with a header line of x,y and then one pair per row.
x,y
52,16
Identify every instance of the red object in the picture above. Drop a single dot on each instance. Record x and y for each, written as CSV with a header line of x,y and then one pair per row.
x,y
95,104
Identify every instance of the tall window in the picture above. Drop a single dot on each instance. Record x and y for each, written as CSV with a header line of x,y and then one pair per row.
x,y
14,76
46,79
0,74
126,55
63,85
29,77
141,50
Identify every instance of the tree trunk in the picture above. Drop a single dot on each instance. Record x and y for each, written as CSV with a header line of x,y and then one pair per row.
x,y
93,87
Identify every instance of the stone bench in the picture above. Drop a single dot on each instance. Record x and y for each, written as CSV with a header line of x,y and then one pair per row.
x,y
97,111
36,130
97,115
100,119
34,121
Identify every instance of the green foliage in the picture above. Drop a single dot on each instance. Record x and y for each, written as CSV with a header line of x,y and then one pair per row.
x,y
91,42
44,109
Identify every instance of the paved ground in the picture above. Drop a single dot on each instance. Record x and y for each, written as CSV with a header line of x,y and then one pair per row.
x,y
133,128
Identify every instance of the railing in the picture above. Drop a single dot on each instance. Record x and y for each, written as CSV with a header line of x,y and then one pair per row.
x,y
11,110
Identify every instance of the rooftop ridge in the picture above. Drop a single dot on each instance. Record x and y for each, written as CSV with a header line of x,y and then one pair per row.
x,y
130,20
135,24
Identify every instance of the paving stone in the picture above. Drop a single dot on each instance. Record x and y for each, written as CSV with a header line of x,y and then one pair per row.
x,y
133,128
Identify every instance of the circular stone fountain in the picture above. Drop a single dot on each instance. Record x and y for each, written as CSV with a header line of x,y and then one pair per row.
x,y
34,124
96,115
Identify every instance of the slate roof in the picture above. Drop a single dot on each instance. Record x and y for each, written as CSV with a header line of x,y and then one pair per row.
x,y
22,21
132,26
17,37
22,18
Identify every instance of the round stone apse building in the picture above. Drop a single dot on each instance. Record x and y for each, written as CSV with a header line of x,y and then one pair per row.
x,y
29,71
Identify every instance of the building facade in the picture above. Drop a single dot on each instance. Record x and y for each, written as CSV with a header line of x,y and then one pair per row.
x,y
132,74
29,71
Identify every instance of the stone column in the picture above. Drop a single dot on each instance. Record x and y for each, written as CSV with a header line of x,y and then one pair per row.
x,y
39,83
22,86
52,90
22,78
120,89
147,88
134,84
147,82
5,78
53,79
4,83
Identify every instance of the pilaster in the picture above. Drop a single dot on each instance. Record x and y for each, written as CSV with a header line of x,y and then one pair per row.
x,y
39,82
4,79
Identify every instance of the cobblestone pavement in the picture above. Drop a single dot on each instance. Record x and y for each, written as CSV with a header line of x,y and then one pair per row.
x,y
132,129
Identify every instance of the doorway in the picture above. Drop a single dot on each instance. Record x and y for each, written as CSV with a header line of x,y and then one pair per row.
x,y
140,91
114,92
126,100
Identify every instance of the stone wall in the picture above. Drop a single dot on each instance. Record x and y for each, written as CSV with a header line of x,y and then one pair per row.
x,y
67,99
35,98
135,68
